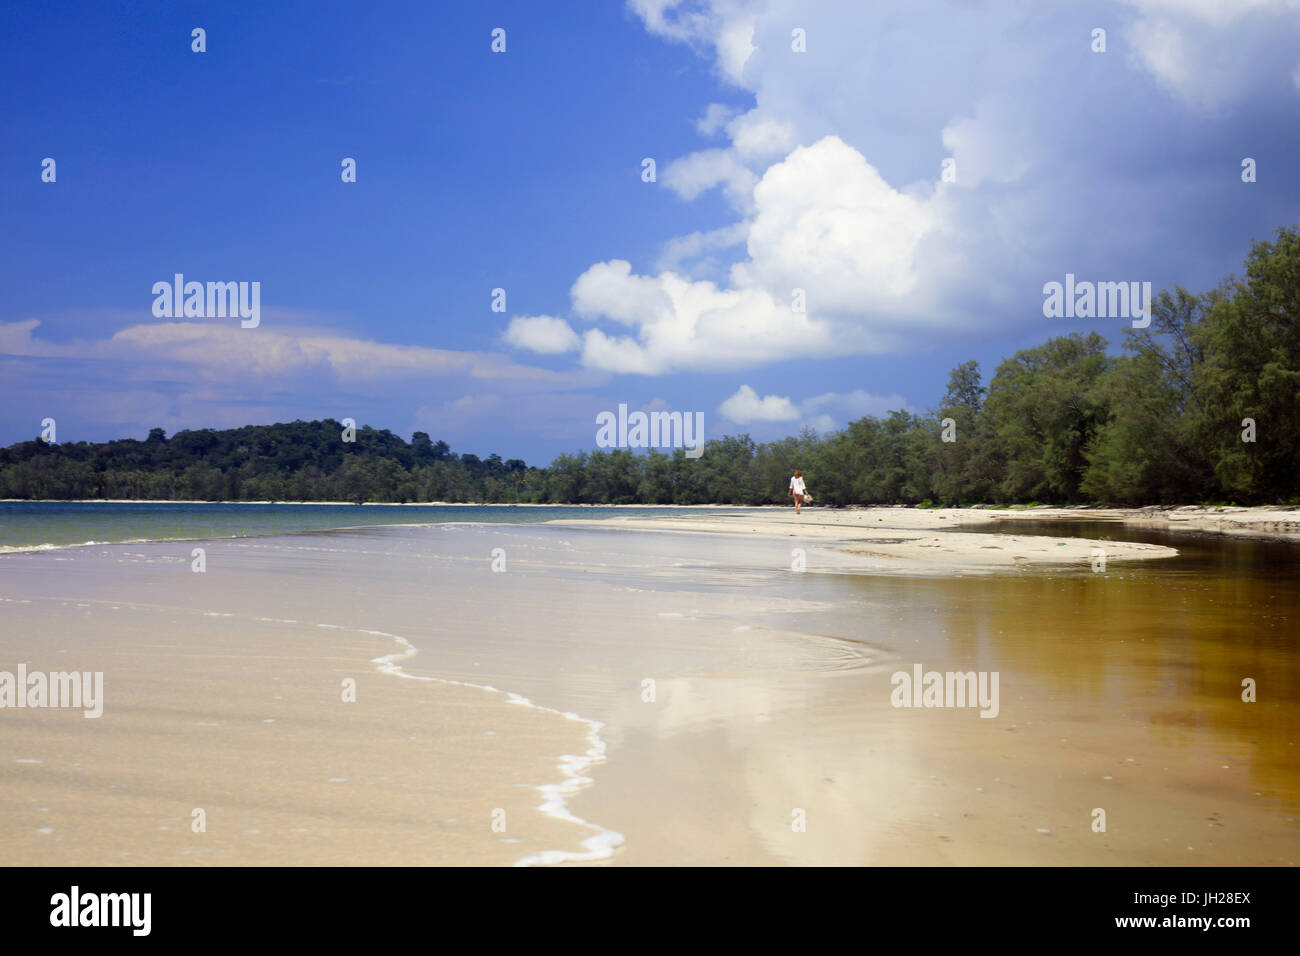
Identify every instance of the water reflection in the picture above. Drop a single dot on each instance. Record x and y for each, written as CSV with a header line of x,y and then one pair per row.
x,y
1151,651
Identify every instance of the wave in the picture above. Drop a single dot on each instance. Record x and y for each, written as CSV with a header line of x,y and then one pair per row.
x,y
20,548
599,846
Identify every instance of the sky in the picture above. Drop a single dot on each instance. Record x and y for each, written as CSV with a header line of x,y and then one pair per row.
x,y
846,201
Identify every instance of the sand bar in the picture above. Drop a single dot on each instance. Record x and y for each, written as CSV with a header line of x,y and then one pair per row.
x,y
933,539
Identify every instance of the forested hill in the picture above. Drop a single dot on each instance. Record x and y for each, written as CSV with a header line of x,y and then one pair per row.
x,y
1202,406
299,461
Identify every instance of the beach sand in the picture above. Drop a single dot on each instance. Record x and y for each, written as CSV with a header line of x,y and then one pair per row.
x,y
732,697
908,539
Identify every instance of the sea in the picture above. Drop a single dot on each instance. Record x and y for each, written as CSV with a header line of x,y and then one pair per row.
x,y
30,525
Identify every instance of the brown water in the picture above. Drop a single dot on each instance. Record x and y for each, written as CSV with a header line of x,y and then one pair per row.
x,y
1140,669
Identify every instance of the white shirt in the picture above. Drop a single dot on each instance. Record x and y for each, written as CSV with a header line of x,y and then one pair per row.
x,y
796,485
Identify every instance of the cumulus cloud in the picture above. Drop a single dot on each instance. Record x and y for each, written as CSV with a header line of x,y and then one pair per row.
x,y
697,326
544,334
745,406
826,221
821,412
826,229
609,289
833,175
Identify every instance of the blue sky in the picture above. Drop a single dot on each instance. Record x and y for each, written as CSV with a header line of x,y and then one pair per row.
x,y
776,169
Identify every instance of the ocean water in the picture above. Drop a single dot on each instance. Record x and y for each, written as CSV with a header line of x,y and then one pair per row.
x,y
35,524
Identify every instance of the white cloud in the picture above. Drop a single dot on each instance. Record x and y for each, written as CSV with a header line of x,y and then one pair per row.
x,y
745,406
990,146
827,222
698,172
225,352
544,334
16,338
695,245
755,137
834,172
230,352
713,118
726,26
1208,53
1164,50
695,326
824,222
610,290
215,374
735,43
821,412
1215,12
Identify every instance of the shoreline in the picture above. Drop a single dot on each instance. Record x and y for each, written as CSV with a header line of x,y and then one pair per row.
x,y
887,539
1282,521
350,504
838,526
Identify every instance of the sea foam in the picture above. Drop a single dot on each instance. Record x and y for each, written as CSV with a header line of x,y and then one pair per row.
x,y
600,845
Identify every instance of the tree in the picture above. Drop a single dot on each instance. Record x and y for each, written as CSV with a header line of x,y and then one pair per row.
x,y
1251,343
1146,450
1044,408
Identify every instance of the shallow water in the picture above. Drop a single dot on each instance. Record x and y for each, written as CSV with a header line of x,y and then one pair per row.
x,y
52,523
1119,691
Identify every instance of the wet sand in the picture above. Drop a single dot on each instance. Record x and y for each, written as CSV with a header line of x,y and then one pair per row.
x,y
735,696
251,729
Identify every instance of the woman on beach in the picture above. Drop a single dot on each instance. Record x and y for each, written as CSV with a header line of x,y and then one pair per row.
x,y
797,489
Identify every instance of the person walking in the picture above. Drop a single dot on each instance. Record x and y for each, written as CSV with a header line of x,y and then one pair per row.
x,y
798,490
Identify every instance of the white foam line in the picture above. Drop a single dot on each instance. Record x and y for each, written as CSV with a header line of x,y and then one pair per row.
x,y
27,548
599,846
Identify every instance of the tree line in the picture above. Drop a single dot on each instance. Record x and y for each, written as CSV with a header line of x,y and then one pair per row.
x,y
1202,406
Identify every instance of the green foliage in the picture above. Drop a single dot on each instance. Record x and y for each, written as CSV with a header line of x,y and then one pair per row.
x,y
298,461
1062,422
1044,407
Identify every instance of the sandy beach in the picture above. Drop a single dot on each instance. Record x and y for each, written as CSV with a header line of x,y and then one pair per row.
x,y
660,691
